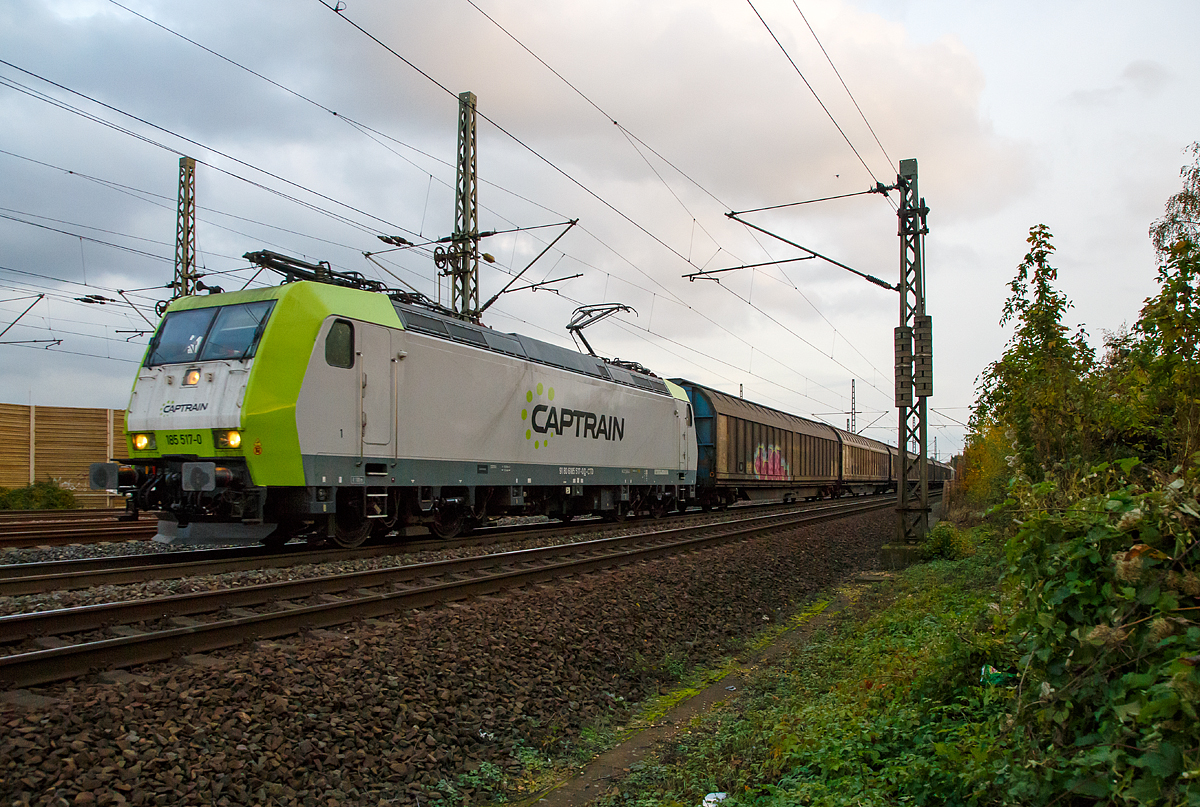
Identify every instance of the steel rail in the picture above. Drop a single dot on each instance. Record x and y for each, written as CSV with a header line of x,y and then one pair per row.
x,y
76,514
508,569
54,533
24,579
92,617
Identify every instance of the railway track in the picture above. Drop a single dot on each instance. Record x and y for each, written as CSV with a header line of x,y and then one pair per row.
x,y
76,641
22,529
22,579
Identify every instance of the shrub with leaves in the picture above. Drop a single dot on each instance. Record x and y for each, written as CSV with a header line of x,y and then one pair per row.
x,y
38,496
1103,571
947,542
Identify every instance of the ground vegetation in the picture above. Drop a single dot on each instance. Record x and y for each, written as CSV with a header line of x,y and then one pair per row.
x,y
1047,652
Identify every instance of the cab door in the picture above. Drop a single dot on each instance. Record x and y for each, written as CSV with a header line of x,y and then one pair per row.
x,y
377,386
683,414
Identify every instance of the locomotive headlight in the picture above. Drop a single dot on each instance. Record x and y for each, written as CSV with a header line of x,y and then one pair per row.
x,y
230,438
144,442
192,377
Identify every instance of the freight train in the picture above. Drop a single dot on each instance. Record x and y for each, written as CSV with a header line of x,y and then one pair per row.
x,y
320,410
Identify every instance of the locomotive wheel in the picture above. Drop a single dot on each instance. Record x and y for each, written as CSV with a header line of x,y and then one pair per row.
x,y
447,522
350,524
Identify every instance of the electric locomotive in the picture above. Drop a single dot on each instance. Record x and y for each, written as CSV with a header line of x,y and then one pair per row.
x,y
325,411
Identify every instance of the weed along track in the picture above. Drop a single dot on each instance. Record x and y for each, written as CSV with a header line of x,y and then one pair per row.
x,y
399,706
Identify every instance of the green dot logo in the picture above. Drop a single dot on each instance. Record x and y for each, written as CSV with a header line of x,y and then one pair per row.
x,y
528,433
529,396
524,414
552,393
539,390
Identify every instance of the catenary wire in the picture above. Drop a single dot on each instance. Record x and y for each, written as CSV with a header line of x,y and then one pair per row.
x,y
796,67
193,142
854,100
633,139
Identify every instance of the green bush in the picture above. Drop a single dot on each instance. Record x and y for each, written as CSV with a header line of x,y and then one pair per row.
x,y
947,542
38,496
1104,576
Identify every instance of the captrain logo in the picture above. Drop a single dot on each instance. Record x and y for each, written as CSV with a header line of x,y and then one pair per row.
x,y
548,420
170,407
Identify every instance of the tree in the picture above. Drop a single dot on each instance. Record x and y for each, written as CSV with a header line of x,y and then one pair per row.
x,y
1170,350
1181,220
1035,392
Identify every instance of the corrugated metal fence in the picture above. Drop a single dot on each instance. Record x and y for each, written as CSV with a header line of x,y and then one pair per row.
x,y
40,443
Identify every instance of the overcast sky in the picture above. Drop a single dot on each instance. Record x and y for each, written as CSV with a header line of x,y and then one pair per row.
x,y
1071,114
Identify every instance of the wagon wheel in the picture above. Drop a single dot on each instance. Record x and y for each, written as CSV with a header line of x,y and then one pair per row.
x,y
447,521
620,512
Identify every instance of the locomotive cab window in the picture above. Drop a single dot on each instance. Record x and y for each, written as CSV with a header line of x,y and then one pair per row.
x,y
339,344
207,334
181,336
236,331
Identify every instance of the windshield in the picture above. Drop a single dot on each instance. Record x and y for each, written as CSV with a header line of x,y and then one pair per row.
x,y
205,334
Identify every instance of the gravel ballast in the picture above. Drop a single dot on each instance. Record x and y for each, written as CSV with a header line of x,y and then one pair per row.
x,y
383,712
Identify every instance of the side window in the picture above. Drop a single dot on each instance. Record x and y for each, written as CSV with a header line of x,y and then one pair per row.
x,y
339,344
689,418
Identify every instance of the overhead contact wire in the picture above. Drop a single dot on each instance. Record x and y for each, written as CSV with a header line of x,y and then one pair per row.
x,y
298,186
853,100
796,67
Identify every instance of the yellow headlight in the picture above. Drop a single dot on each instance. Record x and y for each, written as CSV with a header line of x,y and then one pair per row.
x,y
143,441
235,439
231,438
192,377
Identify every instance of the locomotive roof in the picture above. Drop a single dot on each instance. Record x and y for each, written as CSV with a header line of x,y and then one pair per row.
x,y
525,347
361,304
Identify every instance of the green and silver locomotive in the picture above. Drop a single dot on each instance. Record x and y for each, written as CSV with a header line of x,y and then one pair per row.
x,y
320,410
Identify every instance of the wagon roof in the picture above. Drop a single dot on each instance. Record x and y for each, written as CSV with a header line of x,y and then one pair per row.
x,y
733,406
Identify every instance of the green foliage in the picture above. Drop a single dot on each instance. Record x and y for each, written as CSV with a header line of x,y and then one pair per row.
x,y
947,542
1167,359
1033,390
1104,574
985,469
38,496
1181,219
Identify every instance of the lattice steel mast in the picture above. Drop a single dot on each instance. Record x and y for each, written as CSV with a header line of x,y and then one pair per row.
x,y
914,360
464,256
184,283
